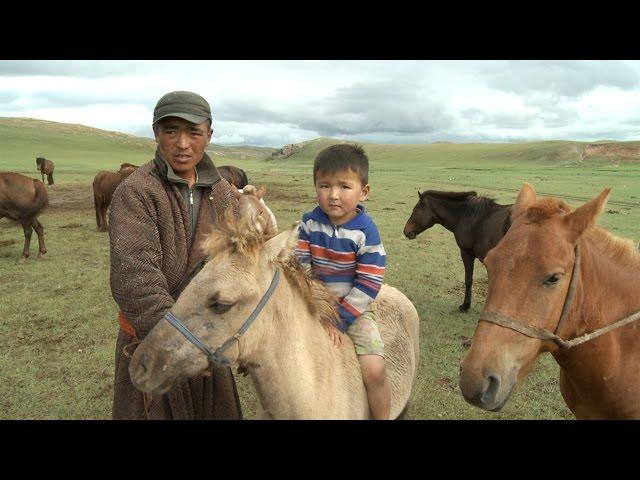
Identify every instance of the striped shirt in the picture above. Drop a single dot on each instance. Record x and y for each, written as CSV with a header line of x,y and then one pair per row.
x,y
349,259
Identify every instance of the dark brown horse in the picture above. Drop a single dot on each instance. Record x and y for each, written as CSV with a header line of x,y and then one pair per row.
x,y
559,283
477,223
22,199
104,184
234,175
45,167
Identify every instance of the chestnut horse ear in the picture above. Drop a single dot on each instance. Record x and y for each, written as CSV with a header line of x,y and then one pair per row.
x,y
526,198
283,245
585,216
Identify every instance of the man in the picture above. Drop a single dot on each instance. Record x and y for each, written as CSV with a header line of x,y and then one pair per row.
x,y
159,216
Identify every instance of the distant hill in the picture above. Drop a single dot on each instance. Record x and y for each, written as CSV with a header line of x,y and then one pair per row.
x,y
78,147
445,153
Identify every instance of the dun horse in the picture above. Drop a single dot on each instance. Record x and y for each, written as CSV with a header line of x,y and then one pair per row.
x,y
45,167
234,175
559,283
252,206
297,371
477,223
22,199
104,184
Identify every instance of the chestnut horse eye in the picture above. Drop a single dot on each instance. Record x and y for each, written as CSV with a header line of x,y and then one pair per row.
x,y
553,279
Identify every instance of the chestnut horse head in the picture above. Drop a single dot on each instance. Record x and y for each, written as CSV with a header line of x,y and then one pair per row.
x,y
558,283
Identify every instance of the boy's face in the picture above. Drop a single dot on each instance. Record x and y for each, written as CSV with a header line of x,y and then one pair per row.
x,y
339,194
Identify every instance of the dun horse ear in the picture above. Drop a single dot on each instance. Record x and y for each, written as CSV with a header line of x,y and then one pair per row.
x,y
284,244
585,216
526,198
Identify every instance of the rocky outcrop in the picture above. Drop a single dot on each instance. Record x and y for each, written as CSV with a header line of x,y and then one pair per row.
x,y
287,150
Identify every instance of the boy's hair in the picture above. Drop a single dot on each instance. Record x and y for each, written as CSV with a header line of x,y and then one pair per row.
x,y
337,158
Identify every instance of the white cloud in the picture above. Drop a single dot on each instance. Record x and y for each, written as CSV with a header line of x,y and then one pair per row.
x,y
278,102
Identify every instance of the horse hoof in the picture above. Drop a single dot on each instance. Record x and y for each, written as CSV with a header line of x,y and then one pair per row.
x,y
21,260
464,307
41,256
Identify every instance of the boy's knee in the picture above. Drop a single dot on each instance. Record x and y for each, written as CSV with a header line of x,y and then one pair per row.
x,y
374,372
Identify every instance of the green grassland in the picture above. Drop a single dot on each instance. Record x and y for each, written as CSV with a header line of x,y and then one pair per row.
x,y
58,319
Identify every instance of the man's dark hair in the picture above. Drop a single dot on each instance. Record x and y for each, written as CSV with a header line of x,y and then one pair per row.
x,y
337,158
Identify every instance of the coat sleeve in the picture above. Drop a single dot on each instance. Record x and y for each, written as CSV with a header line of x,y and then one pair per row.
x,y
137,283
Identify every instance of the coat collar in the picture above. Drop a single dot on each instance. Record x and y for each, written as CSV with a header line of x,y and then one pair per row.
x,y
360,221
207,172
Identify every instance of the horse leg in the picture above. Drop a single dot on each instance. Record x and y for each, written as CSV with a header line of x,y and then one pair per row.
x,y
97,207
105,215
37,226
50,178
26,227
468,258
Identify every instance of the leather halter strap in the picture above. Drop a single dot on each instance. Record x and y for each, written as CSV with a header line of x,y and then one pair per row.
x,y
215,356
544,334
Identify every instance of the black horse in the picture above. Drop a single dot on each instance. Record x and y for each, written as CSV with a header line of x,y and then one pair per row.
x,y
478,224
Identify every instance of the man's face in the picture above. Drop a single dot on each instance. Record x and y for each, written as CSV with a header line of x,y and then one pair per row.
x,y
182,143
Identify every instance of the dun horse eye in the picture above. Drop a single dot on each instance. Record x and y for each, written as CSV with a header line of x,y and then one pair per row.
x,y
219,307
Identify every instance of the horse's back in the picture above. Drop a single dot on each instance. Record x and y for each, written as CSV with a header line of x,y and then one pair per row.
x,y
400,330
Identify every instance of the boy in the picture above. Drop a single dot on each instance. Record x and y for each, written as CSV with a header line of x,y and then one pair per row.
x,y
343,247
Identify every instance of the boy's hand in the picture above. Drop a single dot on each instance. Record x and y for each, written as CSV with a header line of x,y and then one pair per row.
x,y
334,333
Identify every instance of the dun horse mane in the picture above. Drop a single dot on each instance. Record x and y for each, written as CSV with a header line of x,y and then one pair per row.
x,y
621,250
244,238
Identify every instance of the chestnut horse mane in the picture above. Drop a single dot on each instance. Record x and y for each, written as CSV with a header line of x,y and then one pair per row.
x,y
242,237
621,250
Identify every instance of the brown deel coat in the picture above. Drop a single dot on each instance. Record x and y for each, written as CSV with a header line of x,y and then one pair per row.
x,y
152,256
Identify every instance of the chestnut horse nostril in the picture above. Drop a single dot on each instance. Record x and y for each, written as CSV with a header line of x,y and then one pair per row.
x,y
489,394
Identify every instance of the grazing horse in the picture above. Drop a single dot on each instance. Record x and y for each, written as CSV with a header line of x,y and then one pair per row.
x,y
477,223
46,167
297,371
22,199
104,184
234,175
559,283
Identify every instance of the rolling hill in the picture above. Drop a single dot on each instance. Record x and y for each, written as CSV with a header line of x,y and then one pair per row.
x,y
80,148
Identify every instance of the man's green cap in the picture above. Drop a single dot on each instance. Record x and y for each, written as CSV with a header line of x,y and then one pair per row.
x,y
187,105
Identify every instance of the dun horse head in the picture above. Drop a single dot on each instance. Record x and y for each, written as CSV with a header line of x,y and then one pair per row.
x,y
214,305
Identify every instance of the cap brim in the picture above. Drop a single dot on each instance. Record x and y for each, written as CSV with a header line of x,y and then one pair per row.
x,y
185,116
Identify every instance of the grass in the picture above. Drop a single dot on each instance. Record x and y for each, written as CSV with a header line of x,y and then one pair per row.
x,y
58,320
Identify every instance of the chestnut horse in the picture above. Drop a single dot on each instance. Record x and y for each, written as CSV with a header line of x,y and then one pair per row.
x,y
45,167
254,305
234,175
477,223
104,184
22,199
558,283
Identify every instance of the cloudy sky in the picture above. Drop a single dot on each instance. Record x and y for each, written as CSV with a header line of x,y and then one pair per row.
x,y
272,103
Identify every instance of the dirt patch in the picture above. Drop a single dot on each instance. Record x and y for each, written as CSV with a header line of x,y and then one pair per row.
x,y
71,197
285,193
72,225
5,243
